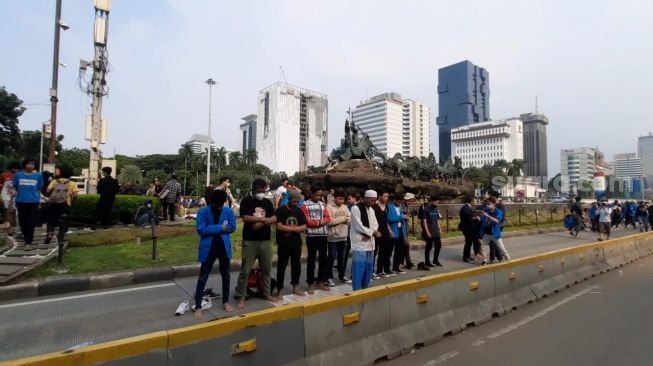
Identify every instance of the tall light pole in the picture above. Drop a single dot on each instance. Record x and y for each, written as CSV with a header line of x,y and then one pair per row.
x,y
45,134
210,82
58,25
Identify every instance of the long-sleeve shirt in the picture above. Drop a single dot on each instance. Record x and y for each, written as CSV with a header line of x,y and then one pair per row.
x,y
338,227
316,212
362,238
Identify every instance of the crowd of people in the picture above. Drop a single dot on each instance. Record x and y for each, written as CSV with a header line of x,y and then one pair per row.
x,y
602,216
372,227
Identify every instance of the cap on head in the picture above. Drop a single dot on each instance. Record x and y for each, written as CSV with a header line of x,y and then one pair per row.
x,y
409,196
371,194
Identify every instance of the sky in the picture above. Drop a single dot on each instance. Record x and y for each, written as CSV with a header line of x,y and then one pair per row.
x,y
588,62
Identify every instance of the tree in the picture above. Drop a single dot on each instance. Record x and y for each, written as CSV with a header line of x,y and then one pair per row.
x,y
76,158
251,156
10,110
186,152
235,159
31,144
221,158
515,170
502,164
130,175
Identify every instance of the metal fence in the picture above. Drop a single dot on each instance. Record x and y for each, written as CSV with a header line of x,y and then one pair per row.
x,y
516,215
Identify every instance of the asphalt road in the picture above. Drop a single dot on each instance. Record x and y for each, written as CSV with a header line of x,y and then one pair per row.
x,y
603,321
55,323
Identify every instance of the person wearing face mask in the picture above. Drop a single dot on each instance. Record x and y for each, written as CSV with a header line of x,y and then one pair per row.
x,y
291,223
214,225
224,184
145,216
258,216
107,188
491,231
429,217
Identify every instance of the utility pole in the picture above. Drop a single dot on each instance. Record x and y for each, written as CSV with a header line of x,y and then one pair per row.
x,y
55,82
210,83
96,126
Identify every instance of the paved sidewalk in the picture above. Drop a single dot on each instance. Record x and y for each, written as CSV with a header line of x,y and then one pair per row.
x,y
55,323
14,260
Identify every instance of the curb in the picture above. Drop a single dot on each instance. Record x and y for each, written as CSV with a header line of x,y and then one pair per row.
x,y
66,284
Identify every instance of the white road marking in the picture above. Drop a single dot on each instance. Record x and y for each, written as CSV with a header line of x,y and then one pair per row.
x,y
86,295
442,359
478,342
596,292
539,314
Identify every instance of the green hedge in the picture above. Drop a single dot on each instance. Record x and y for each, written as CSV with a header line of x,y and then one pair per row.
x,y
83,211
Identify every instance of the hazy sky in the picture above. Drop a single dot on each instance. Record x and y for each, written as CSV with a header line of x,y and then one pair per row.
x,y
588,61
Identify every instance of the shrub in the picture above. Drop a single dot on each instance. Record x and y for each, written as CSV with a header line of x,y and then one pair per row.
x,y
83,211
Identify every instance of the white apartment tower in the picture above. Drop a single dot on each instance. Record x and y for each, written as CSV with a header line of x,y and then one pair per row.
x,y
482,143
578,165
381,118
416,131
291,128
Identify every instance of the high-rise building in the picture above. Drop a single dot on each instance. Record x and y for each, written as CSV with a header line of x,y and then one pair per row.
x,y
249,132
381,118
292,128
484,143
645,152
579,165
535,146
199,143
628,169
416,128
463,98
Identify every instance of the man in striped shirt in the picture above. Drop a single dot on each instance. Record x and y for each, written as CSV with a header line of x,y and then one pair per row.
x,y
317,218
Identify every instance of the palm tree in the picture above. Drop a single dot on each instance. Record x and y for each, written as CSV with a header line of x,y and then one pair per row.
x,y
501,163
130,175
221,158
235,159
515,170
186,152
251,156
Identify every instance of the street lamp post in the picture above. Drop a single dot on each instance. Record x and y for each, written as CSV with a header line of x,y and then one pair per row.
x,y
54,98
45,134
210,82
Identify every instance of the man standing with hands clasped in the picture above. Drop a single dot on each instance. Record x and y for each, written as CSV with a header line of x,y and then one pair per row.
x,y
363,231
317,219
291,223
258,216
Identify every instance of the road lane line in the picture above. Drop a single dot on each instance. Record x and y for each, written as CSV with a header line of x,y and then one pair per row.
x,y
442,359
86,295
540,314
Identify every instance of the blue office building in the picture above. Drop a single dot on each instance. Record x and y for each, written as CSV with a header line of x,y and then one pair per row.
x,y
463,98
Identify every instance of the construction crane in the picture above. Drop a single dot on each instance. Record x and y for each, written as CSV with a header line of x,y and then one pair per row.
x,y
283,74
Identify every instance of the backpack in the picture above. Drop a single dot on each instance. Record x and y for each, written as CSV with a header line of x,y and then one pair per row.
x,y
255,283
569,222
59,194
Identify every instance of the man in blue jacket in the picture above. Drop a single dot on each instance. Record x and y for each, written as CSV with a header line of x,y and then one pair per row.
x,y
396,220
214,224
491,230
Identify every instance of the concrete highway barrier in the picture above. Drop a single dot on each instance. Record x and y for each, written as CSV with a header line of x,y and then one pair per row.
x,y
362,327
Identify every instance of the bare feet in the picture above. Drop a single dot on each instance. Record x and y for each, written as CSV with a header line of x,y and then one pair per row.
x,y
241,304
227,307
323,287
298,292
271,298
198,314
311,289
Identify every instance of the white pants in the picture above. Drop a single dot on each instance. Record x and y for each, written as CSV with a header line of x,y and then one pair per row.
x,y
501,249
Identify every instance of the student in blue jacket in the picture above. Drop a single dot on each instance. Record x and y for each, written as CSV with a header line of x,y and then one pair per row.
x,y
398,231
214,244
491,230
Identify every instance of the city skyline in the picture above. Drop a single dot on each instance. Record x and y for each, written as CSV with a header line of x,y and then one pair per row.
x,y
158,71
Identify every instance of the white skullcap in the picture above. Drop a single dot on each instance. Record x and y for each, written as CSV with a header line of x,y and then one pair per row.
x,y
370,194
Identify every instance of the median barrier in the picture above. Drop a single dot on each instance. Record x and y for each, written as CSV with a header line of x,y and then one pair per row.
x,y
149,349
512,282
629,248
349,329
645,244
272,336
426,309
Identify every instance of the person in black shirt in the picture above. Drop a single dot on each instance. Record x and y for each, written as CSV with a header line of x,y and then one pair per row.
x,y
469,225
577,213
384,244
107,188
291,223
258,215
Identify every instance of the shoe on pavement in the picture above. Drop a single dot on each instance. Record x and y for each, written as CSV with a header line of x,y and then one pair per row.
x,y
376,276
345,280
437,264
209,292
330,283
401,272
386,275
206,303
182,308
